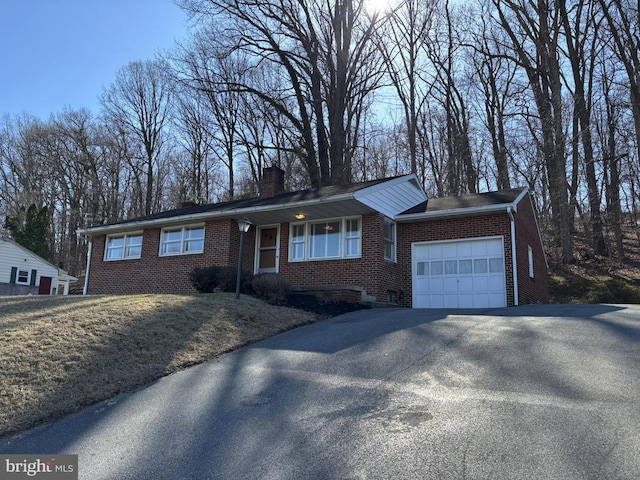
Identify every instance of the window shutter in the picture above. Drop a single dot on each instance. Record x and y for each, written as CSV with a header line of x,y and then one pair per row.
x,y
14,274
33,277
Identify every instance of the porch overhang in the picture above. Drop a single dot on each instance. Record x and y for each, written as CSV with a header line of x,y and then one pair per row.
x,y
310,210
389,197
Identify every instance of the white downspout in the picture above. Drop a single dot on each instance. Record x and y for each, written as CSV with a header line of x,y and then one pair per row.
x,y
86,273
513,255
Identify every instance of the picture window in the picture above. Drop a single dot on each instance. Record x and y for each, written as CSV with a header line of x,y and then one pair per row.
x,y
326,239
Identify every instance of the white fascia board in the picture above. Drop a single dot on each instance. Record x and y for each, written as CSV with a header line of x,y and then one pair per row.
x,y
220,214
456,212
66,277
524,192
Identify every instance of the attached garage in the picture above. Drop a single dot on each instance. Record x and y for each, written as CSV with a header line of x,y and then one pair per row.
x,y
466,273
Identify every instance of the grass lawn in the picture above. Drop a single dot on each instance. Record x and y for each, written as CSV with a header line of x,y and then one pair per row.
x,y
594,288
60,354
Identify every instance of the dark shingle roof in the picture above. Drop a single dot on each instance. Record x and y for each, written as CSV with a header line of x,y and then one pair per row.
x,y
474,200
283,198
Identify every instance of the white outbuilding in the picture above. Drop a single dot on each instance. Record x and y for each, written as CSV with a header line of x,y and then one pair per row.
x,y
22,272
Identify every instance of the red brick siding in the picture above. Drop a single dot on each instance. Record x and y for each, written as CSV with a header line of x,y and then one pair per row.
x,y
370,271
154,274
530,290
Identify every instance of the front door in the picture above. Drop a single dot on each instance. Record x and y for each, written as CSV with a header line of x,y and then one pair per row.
x,y
267,249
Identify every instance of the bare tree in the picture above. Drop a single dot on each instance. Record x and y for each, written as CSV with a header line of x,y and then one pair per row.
x,y
609,118
402,43
450,91
25,179
580,28
623,17
496,77
324,58
60,164
534,32
192,122
70,148
139,101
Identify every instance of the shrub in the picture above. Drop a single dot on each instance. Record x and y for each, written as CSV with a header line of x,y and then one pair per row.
x,y
210,279
228,276
204,279
272,287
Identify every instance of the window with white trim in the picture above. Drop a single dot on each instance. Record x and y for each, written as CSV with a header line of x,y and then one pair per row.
x,y
530,257
182,241
352,237
327,239
297,241
22,277
389,240
123,247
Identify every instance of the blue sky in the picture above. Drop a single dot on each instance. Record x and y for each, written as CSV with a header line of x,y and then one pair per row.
x,y
61,53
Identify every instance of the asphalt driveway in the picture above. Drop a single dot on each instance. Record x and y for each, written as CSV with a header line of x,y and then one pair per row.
x,y
532,392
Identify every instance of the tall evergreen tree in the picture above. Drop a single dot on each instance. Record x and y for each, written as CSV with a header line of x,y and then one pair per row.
x,y
30,228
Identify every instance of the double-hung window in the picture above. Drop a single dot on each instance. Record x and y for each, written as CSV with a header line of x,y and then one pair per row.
x,y
352,237
389,240
182,240
297,241
327,239
124,247
22,277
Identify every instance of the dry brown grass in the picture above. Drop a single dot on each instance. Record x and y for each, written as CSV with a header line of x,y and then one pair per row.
x,y
59,354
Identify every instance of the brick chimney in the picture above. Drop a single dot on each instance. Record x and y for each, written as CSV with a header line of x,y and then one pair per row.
x,y
272,182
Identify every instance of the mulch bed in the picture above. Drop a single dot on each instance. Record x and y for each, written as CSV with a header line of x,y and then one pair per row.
x,y
311,303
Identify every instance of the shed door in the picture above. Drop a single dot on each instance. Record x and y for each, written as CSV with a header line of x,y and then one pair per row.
x,y
45,286
459,274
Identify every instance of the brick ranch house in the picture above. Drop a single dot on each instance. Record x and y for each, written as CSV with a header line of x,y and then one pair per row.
x,y
377,241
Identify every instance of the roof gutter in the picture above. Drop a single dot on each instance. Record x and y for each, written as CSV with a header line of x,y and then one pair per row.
x,y
230,213
86,273
456,212
514,256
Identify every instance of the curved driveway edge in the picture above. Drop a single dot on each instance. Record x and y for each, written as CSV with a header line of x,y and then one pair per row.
x,y
531,392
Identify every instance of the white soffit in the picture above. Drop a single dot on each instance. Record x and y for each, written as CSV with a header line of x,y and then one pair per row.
x,y
394,196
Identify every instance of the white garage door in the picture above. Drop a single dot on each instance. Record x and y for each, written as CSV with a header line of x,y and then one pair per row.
x,y
459,274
